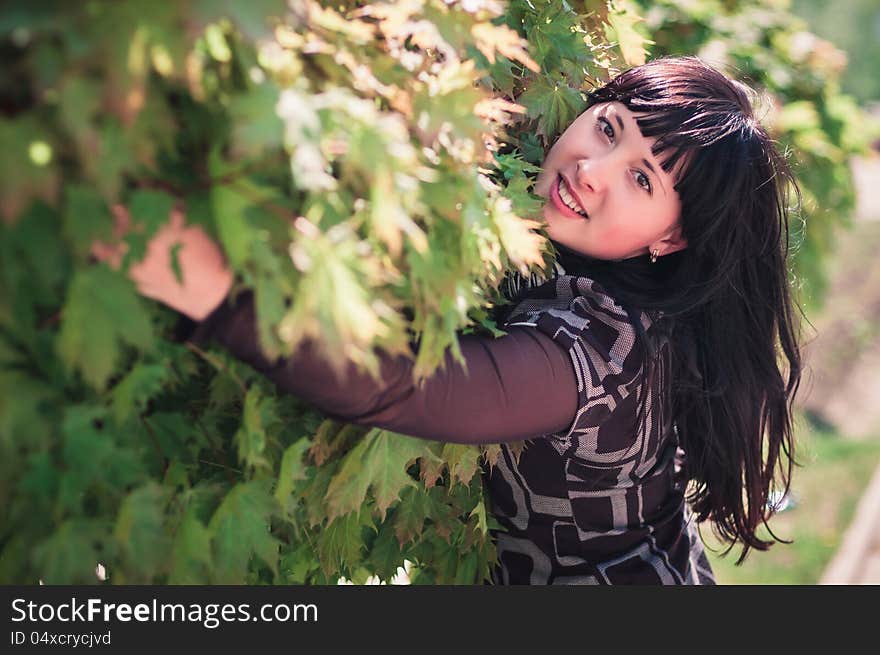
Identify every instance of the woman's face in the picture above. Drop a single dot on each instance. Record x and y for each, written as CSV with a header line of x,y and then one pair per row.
x,y
607,196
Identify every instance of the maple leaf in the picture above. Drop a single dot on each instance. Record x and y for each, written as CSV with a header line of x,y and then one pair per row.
x,y
514,166
138,386
479,512
256,127
378,462
410,516
292,471
140,533
341,541
191,552
260,412
466,569
463,461
555,38
298,563
315,493
149,210
92,458
231,209
491,38
491,452
70,553
524,202
333,437
621,27
385,554
554,103
102,313
240,529
191,557
431,466
86,218
516,449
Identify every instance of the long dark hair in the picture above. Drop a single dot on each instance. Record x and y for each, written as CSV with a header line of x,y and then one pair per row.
x,y
723,302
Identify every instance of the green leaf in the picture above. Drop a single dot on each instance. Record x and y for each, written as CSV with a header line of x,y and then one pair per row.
x,y
140,533
292,471
93,461
415,508
553,103
86,218
480,513
463,461
519,191
139,385
553,38
297,564
622,20
260,413
150,209
466,572
191,552
380,462
240,530
113,161
71,553
35,268
341,542
231,206
238,213
79,100
256,125
102,314
431,466
385,554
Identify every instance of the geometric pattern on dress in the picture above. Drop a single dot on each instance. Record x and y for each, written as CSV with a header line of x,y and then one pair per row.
x,y
601,501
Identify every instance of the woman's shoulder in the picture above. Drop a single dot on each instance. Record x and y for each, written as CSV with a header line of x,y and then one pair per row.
x,y
578,312
607,356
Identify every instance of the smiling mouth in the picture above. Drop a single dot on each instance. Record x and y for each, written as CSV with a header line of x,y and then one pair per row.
x,y
567,199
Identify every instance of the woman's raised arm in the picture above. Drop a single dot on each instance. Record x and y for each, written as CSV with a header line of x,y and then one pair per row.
x,y
518,386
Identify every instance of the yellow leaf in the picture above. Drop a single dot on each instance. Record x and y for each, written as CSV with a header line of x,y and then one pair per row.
x,y
505,41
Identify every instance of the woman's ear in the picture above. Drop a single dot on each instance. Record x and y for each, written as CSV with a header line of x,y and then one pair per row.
x,y
672,242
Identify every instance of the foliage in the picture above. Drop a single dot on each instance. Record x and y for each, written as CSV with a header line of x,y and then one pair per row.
x,y
367,168
852,26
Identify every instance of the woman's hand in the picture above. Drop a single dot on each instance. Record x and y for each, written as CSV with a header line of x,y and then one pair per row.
x,y
206,279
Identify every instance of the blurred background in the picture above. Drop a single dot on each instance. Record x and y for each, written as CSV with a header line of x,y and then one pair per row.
x,y
840,431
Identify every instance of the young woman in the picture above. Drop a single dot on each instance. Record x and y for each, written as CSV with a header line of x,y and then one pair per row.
x,y
647,375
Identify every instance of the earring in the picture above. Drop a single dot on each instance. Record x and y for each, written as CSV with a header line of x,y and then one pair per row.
x,y
654,255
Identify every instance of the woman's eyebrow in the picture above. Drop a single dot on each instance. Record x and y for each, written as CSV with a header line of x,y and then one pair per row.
x,y
644,161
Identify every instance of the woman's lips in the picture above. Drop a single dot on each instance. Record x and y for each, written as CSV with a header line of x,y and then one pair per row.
x,y
560,205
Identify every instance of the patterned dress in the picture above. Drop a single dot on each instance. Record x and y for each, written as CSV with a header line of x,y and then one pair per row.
x,y
601,502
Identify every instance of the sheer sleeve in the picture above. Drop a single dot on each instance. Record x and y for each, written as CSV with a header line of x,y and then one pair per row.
x,y
519,386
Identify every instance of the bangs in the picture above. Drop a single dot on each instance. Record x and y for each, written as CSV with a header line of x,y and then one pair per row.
x,y
686,106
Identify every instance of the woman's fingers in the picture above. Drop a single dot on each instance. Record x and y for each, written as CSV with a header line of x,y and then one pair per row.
x,y
182,266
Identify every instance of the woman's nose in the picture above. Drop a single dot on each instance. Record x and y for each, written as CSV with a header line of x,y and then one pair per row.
x,y
590,175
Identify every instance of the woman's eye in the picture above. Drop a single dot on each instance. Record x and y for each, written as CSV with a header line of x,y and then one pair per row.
x,y
643,181
606,128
